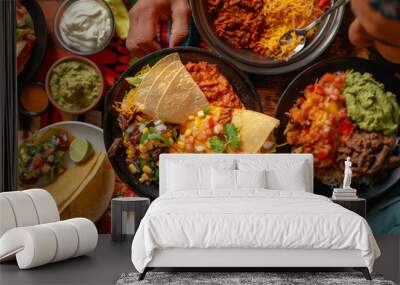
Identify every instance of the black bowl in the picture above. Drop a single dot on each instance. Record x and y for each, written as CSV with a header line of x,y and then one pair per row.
x,y
309,76
39,48
239,81
252,62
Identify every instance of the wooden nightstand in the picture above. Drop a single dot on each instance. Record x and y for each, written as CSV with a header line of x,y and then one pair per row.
x,y
357,205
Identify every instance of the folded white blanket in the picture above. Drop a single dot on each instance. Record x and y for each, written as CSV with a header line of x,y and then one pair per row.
x,y
253,218
40,244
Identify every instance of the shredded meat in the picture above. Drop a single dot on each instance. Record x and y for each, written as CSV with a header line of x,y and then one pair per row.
x,y
225,116
214,85
371,154
123,122
112,151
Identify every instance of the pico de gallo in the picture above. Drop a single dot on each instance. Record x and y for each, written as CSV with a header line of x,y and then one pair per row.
x,y
318,122
44,158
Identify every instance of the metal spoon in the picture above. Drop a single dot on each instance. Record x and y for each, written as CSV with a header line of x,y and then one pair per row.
x,y
288,37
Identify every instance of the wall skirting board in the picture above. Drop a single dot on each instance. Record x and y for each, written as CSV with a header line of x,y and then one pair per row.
x,y
389,262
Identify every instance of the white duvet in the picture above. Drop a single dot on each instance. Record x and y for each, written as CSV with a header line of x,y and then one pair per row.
x,y
253,218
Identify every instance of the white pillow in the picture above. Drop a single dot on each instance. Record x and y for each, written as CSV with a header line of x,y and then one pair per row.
x,y
181,177
280,174
290,179
223,179
251,178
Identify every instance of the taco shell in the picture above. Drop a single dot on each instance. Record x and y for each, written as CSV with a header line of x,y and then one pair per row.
x,y
95,198
48,133
182,98
160,86
254,129
71,183
152,77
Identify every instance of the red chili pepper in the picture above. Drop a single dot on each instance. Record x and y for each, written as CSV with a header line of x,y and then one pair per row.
x,y
327,135
122,49
123,59
324,3
121,68
300,100
345,126
322,154
310,88
109,75
105,57
319,90
329,77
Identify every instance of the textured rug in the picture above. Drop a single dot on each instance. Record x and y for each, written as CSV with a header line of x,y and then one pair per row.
x,y
244,278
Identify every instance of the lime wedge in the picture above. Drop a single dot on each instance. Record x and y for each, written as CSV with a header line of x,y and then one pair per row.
x,y
80,149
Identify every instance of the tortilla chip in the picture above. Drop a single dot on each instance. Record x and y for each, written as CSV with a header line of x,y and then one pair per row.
x,y
152,76
95,198
160,86
254,129
69,184
182,99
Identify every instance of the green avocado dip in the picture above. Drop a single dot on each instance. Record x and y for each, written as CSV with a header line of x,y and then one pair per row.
x,y
369,105
74,85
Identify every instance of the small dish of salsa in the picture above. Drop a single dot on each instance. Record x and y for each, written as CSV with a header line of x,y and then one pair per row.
x,y
33,99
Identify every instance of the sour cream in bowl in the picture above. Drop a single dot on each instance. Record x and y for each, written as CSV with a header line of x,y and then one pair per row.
x,y
84,27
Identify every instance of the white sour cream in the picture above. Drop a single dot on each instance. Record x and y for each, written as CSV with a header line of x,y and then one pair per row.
x,y
86,25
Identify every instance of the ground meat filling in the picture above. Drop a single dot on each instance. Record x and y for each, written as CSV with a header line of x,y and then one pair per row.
x,y
215,86
241,25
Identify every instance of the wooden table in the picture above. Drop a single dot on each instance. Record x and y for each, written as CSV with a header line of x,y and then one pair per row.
x,y
268,87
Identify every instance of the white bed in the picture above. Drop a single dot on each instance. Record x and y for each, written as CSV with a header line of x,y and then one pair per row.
x,y
248,227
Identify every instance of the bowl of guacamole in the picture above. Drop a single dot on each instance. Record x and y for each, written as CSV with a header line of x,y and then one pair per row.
x,y
74,85
373,108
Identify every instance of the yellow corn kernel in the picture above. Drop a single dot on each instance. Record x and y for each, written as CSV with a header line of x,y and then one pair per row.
x,y
147,169
130,153
188,132
143,178
171,140
132,168
145,130
181,144
142,148
191,118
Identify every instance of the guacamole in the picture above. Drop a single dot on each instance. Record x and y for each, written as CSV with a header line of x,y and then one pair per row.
x,y
369,105
74,85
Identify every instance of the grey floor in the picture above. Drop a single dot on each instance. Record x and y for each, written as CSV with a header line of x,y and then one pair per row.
x,y
103,266
110,260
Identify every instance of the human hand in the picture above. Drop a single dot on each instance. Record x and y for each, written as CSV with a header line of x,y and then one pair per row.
x,y
144,18
372,29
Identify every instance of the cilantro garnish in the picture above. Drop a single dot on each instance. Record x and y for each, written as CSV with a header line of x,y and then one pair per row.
x,y
217,144
232,136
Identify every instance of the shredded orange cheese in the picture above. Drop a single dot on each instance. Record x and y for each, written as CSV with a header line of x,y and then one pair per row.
x,y
127,106
282,16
